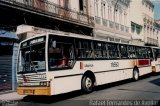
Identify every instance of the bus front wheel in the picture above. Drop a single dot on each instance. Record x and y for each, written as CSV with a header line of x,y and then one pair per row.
x,y
135,74
87,84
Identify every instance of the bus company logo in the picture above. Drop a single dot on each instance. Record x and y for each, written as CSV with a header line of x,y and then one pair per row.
x,y
88,65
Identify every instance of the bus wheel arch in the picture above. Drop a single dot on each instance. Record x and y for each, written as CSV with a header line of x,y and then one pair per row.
x,y
88,81
135,73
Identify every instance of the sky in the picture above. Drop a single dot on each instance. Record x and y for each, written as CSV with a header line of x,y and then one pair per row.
x,y
156,8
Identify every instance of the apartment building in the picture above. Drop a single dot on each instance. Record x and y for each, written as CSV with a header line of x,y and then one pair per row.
x,y
157,30
142,20
62,15
136,21
112,20
148,23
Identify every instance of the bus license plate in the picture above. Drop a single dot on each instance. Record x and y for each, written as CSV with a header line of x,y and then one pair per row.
x,y
28,92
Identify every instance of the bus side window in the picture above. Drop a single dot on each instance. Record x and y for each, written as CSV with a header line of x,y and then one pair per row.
x,y
124,51
60,53
131,52
84,49
150,54
113,50
156,54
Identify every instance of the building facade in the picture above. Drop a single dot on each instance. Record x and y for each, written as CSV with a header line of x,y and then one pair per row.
x,y
142,20
136,22
64,15
112,20
157,30
148,23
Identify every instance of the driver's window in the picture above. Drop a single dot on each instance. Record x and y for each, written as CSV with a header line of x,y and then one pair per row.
x,y
60,54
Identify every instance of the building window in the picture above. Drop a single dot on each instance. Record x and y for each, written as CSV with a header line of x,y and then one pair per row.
x,y
96,8
83,6
109,12
116,20
138,29
103,10
66,4
132,28
120,17
125,18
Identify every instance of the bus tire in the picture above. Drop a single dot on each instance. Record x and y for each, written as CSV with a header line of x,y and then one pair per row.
x,y
87,84
135,74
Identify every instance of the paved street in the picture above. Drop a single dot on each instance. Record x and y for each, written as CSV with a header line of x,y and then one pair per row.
x,y
143,92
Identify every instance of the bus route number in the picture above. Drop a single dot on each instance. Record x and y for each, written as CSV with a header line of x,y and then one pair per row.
x,y
115,64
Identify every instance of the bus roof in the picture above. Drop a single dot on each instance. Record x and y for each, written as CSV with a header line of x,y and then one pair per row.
x,y
80,36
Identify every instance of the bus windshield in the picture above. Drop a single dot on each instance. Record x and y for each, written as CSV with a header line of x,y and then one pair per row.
x,y
32,56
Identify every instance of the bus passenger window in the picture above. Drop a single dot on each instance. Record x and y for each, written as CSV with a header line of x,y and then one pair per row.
x,y
54,55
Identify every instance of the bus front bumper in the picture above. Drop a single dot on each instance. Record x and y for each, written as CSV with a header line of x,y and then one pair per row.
x,y
34,91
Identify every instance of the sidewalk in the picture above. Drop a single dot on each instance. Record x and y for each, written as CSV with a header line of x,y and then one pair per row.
x,y
11,96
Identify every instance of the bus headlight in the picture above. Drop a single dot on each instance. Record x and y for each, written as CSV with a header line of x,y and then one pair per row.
x,y
46,83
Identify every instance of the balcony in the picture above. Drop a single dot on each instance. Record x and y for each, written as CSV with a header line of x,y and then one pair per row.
x,y
105,22
122,27
98,20
126,29
111,24
51,10
151,41
117,26
148,20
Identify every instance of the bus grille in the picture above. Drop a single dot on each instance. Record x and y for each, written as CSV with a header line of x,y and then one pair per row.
x,y
28,78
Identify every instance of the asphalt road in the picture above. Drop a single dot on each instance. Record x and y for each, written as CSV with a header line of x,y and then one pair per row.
x,y
144,92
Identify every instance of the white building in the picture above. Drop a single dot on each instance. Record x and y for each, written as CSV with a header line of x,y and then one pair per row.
x,y
112,19
142,20
157,30
148,23
136,21
126,21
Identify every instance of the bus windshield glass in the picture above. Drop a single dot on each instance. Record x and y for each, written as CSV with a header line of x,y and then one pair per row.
x,y
32,56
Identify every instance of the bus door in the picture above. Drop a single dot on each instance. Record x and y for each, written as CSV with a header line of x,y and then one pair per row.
x,y
155,61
